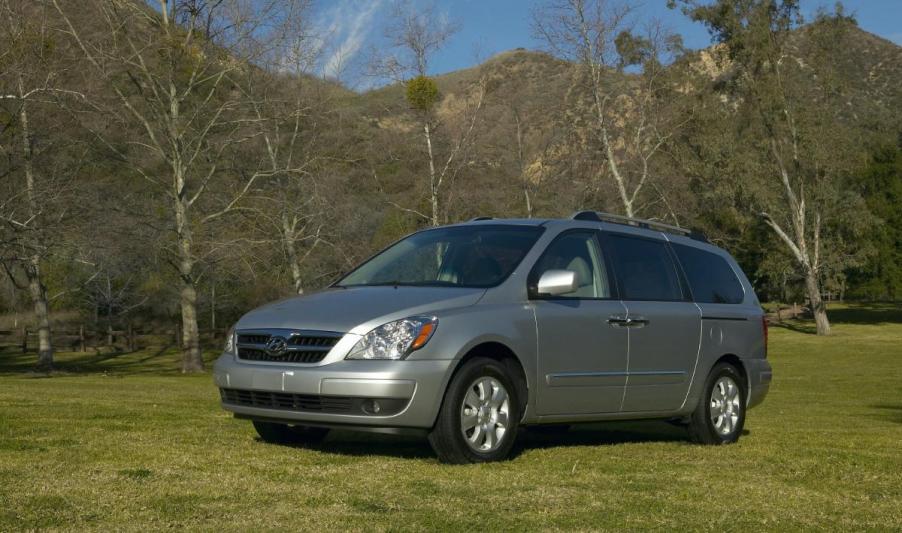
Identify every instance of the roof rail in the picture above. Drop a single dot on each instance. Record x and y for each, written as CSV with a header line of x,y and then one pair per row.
x,y
476,219
597,216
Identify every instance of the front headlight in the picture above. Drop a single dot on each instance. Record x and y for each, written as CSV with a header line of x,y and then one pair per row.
x,y
395,340
229,347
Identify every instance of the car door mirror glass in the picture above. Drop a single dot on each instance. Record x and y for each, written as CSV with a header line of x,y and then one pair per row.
x,y
556,282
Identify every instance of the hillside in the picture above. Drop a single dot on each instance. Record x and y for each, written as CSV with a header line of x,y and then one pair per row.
x,y
869,72
544,93
358,178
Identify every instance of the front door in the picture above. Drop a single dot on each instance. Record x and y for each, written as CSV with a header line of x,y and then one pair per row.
x,y
664,326
582,357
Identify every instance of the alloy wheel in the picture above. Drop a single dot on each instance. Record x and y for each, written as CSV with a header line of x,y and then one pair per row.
x,y
725,405
485,414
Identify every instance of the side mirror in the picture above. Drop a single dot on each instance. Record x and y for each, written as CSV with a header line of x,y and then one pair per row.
x,y
556,282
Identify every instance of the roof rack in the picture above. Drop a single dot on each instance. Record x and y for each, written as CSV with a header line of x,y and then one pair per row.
x,y
475,219
597,216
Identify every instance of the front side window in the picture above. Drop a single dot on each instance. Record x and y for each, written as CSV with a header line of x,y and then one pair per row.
x,y
461,256
710,276
579,253
644,269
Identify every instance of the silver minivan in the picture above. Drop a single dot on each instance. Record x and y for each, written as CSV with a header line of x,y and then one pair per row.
x,y
467,333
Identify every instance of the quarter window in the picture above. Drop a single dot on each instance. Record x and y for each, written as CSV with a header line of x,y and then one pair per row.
x,y
710,276
579,253
644,269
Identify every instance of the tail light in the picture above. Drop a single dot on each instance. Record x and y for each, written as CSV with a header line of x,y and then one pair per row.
x,y
764,330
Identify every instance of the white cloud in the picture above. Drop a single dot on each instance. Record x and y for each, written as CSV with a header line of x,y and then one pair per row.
x,y
346,26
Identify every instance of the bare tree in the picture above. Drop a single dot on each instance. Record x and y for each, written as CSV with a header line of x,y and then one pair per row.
x,y
291,108
41,155
524,127
798,189
628,123
416,34
173,69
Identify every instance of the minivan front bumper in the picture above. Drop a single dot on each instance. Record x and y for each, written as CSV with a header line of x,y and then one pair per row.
x,y
371,394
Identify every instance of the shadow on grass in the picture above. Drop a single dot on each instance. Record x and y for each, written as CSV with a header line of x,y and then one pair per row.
x,y
858,314
350,443
161,360
357,444
889,412
877,313
797,326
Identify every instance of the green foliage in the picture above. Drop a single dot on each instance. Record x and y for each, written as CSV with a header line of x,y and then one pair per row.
x,y
783,142
632,49
31,45
747,27
422,93
395,224
880,183
712,172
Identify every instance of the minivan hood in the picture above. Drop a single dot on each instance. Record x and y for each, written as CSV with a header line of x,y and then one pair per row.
x,y
342,309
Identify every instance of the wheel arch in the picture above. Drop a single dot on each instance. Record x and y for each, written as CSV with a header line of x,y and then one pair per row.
x,y
736,361
501,352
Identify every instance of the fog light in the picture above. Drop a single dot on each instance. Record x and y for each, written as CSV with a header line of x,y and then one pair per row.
x,y
371,407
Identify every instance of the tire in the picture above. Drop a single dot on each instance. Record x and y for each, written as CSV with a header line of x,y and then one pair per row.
x,y
284,434
720,414
479,416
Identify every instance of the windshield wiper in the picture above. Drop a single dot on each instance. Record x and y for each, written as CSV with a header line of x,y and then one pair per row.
x,y
397,283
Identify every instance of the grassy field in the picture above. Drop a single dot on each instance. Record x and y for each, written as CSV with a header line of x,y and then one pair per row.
x,y
124,442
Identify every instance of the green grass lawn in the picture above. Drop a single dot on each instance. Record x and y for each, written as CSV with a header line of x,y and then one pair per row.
x,y
125,442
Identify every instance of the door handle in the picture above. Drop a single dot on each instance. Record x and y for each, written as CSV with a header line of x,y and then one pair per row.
x,y
618,321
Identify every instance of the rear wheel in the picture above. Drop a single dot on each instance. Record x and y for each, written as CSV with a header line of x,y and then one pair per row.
x,y
479,416
285,434
720,414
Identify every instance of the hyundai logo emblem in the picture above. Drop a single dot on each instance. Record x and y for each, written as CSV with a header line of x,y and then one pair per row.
x,y
276,346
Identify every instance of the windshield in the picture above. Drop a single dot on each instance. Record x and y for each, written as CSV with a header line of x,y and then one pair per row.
x,y
462,256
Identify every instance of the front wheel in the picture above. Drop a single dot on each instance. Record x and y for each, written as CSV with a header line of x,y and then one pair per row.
x,y
479,416
720,414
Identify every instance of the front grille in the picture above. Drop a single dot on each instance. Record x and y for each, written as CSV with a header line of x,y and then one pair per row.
x,y
254,354
303,346
287,401
253,339
313,341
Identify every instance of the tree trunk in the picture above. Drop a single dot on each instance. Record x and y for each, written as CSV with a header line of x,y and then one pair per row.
x,y
191,354
213,308
295,269
41,313
522,164
433,185
192,359
33,266
288,232
613,166
818,308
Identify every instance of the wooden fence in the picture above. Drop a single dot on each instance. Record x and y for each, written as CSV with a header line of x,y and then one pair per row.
x,y
787,312
85,338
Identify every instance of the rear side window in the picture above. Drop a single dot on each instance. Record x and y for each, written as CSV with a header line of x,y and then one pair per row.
x,y
710,277
644,269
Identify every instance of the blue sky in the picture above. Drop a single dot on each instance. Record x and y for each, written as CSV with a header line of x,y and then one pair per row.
x,y
353,29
